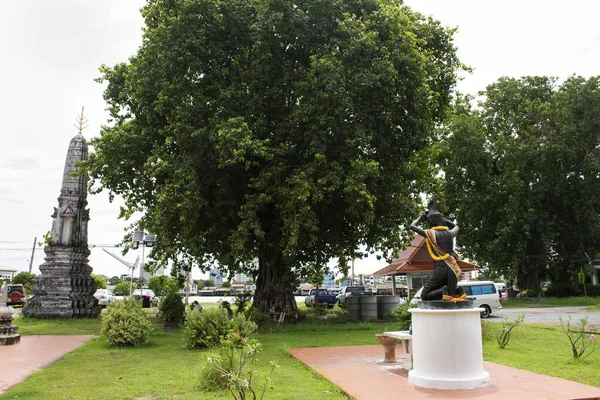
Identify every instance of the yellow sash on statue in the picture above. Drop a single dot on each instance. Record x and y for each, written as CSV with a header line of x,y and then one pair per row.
x,y
440,255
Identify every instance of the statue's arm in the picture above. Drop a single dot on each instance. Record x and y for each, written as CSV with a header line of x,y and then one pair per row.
x,y
415,228
453,228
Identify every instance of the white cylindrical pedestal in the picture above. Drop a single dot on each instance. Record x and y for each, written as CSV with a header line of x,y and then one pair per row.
x,y
447,352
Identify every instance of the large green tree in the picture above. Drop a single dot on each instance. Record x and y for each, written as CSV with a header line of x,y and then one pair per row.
x,y
272,135
521,173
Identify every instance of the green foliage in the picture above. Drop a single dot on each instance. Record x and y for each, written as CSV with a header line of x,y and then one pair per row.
x,y
26,279
233,368
260,318
163,286
122,289
171,308
235,152
581,338
115,280
46,239
204,283
402,315
209,327
521,178
99,282
124,323
242,301
485,329
503,337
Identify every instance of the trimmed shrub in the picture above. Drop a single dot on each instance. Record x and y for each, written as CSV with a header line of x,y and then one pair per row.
x,y
122,289
125,324
172,308
239,324
208,328
402,315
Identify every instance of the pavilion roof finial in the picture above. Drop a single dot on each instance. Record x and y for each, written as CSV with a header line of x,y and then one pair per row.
x,y
81,122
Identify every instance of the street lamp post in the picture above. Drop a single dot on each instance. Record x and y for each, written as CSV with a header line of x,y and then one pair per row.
x,y
140,237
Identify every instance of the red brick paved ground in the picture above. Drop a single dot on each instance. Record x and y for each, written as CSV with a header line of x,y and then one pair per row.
x,y
360,372
34,353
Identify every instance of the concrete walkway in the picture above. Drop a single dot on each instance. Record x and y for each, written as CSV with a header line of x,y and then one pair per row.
x,y
359,372
34,353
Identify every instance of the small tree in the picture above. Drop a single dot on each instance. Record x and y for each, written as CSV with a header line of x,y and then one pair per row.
x,y
122,289
115,280
503,336
581,338
172,309
99,282
157,284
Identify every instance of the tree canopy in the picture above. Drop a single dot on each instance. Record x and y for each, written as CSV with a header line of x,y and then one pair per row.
x,y
99,282
270,135
521,173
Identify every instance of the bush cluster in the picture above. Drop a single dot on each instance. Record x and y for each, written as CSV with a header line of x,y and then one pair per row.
x,y
125,324
260,318
208,328
402,315
232,367
171,308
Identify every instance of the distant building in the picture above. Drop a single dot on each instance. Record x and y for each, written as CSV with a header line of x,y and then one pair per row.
x,y
216,276
7,273
329,280
239,277
145,275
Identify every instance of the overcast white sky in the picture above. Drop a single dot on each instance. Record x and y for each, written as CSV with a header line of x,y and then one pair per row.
x,y
51,51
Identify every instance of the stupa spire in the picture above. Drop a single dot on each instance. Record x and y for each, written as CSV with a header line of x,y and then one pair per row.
x,y
65,287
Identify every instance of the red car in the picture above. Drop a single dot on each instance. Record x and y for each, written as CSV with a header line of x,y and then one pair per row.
x,y
16,295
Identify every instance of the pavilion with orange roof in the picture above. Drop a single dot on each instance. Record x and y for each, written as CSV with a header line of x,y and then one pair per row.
x,y
416,263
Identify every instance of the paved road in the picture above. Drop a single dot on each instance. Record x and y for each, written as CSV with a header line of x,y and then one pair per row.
x,y
550,315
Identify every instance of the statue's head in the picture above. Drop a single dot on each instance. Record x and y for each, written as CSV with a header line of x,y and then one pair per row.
x,y
434,217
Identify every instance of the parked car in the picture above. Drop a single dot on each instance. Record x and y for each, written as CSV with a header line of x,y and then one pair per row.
x,y
325,298
483,294
103,296
349,291
16,294
149,299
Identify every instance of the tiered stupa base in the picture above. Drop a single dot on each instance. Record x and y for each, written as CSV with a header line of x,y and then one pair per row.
x,y
8,331
65,288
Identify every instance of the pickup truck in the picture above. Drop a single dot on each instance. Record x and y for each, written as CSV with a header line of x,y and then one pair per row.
x,y
325,298
349,291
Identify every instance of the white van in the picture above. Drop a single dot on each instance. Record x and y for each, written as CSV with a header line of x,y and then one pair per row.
x,y
483,294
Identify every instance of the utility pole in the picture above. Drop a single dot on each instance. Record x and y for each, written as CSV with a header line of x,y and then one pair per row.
x,y
352,284
32,254
187,288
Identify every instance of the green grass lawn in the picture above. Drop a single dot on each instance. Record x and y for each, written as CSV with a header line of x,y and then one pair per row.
x,y
165,369
554,302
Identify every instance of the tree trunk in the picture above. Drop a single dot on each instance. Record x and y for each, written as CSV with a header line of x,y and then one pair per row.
x,y
528,277
274,284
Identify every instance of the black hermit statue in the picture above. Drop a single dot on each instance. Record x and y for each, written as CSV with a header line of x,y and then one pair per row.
x,y
440,244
